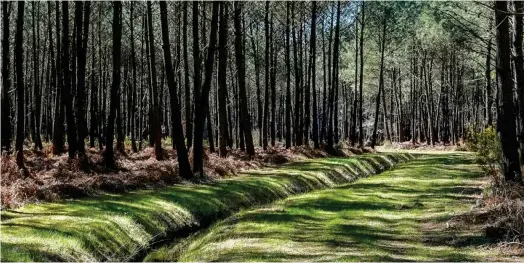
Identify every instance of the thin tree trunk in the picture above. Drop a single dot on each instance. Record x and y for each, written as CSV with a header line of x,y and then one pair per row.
x,y
82,39
267,63
157,130
222,81
6,84
288,80
19,51
37,98
187,93
240,61
361,81
202,105
109,157
93,127
353,132
313,73
66,85
176,115
273,73
381,82
133,89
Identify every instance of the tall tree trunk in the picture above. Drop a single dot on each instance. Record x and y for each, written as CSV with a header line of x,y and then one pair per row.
x,y
222,80
66,85
381,82
487,74
273,73
187,91
196,67
157,130
324,86
507,131
109,157
297,129
267,63
93,127
58,133
37,98
288,80
82,39
353,132
19,58
176,115
334,80
6,84
361,81
519,68
313,73
240,61
134,89
202,104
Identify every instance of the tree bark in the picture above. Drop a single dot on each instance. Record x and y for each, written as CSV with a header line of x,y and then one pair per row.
x,y
313,73
6,84
58,132
157,130
507,131
240,61
187,91
273,73
288,80
202,104
361,81
66,85
222,81
267,63
82,40
109,157
519,69
196,68
37,97
381,82
176,115
19,58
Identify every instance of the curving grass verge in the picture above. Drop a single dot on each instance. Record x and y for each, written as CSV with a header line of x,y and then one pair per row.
x,y
123,227
405,214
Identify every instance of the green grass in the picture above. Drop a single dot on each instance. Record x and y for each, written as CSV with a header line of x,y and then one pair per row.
x,y
399,215
115,227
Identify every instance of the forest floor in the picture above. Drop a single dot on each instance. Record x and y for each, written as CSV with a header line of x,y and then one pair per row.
x,y
124,226
56,177
416,212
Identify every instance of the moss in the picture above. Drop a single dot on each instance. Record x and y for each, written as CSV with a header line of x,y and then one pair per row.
x,y
399,215
117,227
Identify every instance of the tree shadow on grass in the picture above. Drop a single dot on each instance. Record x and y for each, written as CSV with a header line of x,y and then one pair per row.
x,y
371,220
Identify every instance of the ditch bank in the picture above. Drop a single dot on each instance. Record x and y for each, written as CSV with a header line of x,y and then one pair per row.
x,y
125,227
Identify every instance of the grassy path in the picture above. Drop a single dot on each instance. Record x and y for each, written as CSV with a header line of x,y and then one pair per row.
x,y
399,215
119,227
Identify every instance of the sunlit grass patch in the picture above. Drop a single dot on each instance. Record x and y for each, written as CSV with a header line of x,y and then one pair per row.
x,y
380,218
116,227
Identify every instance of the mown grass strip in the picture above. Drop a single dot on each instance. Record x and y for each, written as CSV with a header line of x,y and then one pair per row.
x,y
119,227
399,215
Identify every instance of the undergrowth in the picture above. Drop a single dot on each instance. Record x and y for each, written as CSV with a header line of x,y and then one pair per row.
x,y
503,203
118,227
56,177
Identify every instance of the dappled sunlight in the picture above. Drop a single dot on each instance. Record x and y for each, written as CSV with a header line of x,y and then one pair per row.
x,y
381,218
116,227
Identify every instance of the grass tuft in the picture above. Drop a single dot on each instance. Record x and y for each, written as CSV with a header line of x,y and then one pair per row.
x,y
405,214
121,227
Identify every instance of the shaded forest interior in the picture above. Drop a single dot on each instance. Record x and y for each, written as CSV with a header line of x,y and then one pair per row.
x,y
196,83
